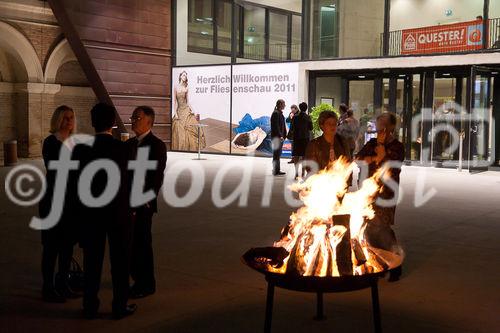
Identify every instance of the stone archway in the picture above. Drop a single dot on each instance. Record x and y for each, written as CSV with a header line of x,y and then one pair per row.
x,y
16,44
61,55
71,87
21,72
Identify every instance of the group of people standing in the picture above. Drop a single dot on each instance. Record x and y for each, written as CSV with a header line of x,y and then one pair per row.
x,y
127,229
346,127
299,133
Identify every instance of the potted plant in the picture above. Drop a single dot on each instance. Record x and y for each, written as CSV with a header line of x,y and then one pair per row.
x,y
315,112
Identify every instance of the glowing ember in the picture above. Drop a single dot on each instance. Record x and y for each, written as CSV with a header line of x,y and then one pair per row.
x,y
325,237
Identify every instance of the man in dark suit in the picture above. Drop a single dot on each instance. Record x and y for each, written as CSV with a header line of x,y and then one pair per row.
x,y
142,264
105,218
278,135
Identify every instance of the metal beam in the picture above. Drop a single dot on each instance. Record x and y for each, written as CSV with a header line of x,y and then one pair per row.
x,y
83,57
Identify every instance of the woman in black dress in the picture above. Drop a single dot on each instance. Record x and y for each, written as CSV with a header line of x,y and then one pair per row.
x,y
302,127
58,241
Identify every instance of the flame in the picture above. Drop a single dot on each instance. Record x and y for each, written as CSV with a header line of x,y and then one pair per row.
x,y
316,242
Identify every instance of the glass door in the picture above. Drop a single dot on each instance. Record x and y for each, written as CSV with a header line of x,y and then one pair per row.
x,y
447,118
361,102
480,119
395,100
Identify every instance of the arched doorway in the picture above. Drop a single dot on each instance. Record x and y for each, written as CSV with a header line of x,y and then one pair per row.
x,y
20,69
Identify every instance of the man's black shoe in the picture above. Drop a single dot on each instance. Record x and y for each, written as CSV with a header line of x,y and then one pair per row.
x,y
128,311
279,173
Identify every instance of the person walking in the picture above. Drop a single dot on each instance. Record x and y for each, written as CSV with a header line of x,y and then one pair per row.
x,y
142,264
101,221
278,135
57,242
302,127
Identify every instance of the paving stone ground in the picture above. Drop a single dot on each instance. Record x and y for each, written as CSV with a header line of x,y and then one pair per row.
x,y
451,280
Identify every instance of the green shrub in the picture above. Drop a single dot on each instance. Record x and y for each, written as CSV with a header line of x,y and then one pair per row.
x,y
315,112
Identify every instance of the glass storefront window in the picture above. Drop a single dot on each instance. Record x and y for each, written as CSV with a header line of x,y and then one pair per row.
x,y
200,29
278,36
272,30
494,24
223,22
427,13
361,94
254,25
437,23
494,9
296,44
325,29
394,103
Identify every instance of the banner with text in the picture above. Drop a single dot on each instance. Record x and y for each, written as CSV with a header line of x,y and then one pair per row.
x,y
462,36
256,88
201,104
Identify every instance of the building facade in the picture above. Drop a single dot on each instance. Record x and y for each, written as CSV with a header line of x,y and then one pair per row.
x,y
434,63
78,53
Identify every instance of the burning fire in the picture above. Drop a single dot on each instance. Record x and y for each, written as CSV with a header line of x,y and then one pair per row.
x,y
325,237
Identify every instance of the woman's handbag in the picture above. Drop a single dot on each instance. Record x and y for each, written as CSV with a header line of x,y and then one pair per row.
x,y
75,276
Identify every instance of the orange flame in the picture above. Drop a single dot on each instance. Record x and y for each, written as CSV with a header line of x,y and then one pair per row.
x,y
312,238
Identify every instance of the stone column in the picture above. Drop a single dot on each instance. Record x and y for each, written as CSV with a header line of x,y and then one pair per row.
x,y
31,99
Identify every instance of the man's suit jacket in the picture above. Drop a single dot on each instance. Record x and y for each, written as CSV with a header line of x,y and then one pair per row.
x,y
278,127
116,214
157,152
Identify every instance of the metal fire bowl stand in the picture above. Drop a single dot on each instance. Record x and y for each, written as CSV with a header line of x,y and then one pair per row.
x,y
320,285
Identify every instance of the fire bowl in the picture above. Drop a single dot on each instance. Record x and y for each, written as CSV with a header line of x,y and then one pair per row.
x,y
311,284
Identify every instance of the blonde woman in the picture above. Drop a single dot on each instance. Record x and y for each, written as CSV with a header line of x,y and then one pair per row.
x,y
58,241
184,130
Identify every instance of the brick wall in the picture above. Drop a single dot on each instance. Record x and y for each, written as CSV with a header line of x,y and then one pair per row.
x,y
7,121
43,37
129,46
71,74
21,122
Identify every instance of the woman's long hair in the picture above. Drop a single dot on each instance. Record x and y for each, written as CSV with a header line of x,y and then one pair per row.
x,y
180,77
57,118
